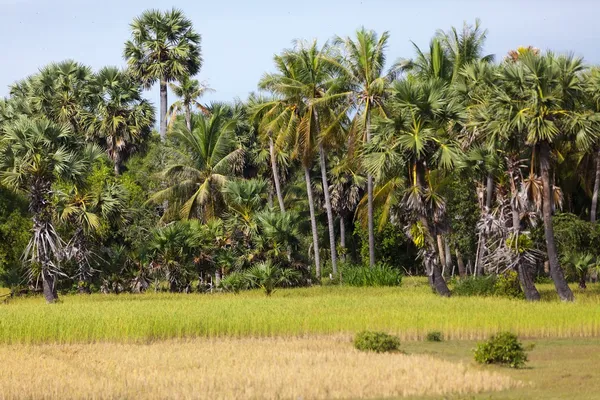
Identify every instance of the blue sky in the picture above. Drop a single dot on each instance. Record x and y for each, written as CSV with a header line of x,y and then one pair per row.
x,y
240,37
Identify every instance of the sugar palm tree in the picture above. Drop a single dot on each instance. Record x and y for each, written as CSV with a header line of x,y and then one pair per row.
x,y
189,91
119,117
34,154
592,83
163,47
364,61
548,91
213,157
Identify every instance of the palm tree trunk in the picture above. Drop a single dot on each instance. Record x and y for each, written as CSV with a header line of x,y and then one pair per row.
x,y
441,252
188,118
163,109
328,209
462,272
42,220
596,189
370,200
430,258
448,253
343,236
489,192
313,222
564,292
276,175
524,271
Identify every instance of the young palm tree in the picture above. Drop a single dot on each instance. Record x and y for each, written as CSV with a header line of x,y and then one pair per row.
x,y
164,47
189,91
213,157
34,154
84,209
364,62
119,117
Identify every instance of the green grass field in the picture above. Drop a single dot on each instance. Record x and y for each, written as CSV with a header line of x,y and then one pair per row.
x,y
282,338
410,312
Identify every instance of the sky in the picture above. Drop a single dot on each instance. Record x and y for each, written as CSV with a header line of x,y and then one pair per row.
x,y
239,38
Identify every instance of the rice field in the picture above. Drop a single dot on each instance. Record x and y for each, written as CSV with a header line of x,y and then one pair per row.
x,y
248,368
409,311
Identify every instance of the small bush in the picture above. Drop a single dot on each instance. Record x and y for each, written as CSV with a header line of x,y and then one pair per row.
x,y
507,285
503,348
234,282
378,342
475,286
435,336
380,275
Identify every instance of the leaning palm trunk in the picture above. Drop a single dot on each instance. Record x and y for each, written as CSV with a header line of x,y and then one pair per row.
x,y
556,271
313,223
370,214
163,109
328,208
276,175
430,256
596,189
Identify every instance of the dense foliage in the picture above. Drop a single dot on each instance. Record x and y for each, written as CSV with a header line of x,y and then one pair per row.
x,y
503,348
447,164
379,342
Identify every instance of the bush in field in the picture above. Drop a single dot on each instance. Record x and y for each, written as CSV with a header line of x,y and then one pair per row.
x,y
379,342
503,348
268,277
507,285
475,286
381,275
234,282
435,336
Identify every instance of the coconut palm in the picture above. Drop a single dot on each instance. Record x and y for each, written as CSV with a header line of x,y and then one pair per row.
x,y
310,79
212,156
34,154
119,118
189,91
364,60
163,47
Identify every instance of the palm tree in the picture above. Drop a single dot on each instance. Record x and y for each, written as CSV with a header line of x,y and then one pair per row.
x,y
164,47
59,92
189,91
213,157
119,117
593,91
34,154
546,95
311,79
364,61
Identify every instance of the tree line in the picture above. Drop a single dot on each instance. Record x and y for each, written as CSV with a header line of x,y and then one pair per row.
x,y
447,163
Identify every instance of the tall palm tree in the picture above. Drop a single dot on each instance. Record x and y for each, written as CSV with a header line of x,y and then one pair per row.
x,y
164,47
314,85
119,117
593,97
212,156
548,89
34,154
189,91
364,62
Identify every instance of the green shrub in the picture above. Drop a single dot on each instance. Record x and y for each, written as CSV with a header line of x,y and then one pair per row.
x,y
378,342
380,275
475,286
503,348
435,336
234,282
507,285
